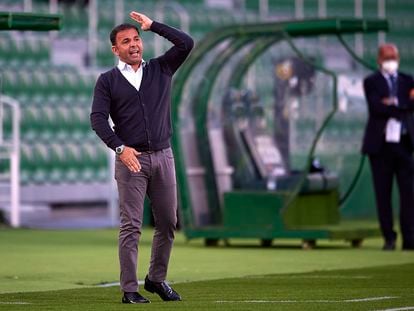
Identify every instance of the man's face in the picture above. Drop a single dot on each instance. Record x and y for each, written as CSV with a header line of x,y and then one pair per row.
x,y
128,46
388,52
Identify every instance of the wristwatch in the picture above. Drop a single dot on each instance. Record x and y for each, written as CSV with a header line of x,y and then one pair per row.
x,y
119,149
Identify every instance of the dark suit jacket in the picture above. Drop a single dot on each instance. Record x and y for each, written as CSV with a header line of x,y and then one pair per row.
x,y
376,88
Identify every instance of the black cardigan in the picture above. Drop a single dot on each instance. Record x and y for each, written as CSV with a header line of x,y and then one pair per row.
x,y
142,118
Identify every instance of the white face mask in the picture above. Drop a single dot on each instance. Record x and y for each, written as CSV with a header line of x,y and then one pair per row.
x,y
390,66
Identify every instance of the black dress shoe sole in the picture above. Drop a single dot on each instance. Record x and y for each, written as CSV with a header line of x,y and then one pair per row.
x,y
132,302
129,301
150,289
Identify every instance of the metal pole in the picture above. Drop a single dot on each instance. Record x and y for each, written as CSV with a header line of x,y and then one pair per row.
x,y
112,191
322,14
251,78
15,168
381,14
299,9
264,9
1,121
13,149
159,16
53,9
359,40
92,31
27,6
322,8
112,198
119,18
53,6
119,12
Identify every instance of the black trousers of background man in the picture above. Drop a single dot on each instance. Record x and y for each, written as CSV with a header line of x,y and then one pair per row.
x,y
395,159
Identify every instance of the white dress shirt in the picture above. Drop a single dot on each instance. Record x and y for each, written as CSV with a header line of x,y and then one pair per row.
x,y
394,128
133,77
387,77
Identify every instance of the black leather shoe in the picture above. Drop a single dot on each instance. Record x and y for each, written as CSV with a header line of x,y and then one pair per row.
x,y
389,245
162,289
134,298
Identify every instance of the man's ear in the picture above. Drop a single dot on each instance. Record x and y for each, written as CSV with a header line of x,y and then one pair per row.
x,y
115,50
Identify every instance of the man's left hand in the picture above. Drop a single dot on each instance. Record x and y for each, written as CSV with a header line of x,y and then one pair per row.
x,y
389,101
142,19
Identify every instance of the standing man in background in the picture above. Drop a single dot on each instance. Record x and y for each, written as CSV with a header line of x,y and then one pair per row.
x,y
137,96
389,141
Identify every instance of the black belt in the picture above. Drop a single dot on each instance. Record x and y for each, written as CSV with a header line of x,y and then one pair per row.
x,y
146,151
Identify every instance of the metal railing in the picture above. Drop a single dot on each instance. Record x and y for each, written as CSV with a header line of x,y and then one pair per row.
x,y
10,150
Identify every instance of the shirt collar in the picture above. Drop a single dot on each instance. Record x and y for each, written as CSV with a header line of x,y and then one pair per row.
x,y
124,66
387,75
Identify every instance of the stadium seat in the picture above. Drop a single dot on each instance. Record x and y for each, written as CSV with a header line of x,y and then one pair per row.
x,y
56,100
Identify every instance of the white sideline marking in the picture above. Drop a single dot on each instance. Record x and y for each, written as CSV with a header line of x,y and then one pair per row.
x,y
110,284
14,303
370,299
118,284
398,309
362,277
314,301
313,277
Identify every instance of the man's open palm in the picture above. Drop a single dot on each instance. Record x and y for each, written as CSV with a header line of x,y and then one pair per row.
x,y
142,19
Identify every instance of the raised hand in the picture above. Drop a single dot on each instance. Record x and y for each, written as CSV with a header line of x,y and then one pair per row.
x,y
142,19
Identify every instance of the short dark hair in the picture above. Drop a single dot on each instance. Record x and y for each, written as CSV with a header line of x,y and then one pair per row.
x,y
119,28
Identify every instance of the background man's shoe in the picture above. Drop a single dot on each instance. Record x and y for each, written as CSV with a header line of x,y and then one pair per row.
x,y
389,246
408,246
134,298
162,289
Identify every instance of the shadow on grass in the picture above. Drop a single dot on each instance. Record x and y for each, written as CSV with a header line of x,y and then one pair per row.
x,y
294,245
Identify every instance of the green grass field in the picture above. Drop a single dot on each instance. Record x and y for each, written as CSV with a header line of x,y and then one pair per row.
x,y
62,270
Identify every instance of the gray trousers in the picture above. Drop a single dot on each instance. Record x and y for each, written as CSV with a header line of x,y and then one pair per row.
x,y
156,180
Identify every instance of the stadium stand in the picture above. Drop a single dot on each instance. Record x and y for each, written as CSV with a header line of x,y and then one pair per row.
x,y
58,146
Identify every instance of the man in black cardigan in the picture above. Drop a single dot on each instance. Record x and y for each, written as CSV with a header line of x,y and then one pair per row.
x,y
137,97
389,141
